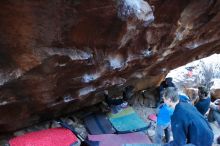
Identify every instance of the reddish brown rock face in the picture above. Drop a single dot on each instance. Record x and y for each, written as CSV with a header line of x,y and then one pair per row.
x,y
58,56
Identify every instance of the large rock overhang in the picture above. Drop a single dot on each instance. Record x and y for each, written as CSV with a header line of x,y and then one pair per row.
x,y
58,56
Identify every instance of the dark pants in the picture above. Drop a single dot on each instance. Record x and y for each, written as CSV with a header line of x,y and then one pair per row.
x,y
159,133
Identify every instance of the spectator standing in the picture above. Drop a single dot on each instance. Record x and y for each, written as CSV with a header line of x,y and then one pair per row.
x,y
163,123
204,100
164,84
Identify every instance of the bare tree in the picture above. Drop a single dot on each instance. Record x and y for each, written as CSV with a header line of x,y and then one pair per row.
x,y
207,73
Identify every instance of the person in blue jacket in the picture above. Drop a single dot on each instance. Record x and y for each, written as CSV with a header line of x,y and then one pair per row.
x,y
188,125
204,100
164,113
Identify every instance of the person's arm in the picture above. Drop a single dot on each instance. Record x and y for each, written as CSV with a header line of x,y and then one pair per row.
x,y
161,88
162,85
214,107
158,108
217,101
173,85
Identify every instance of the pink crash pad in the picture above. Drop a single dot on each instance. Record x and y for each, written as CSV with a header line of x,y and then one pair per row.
x,y
48,137
120,139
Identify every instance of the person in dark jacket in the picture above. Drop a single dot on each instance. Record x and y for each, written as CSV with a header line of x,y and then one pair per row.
x,y
204,100
165,84
188,125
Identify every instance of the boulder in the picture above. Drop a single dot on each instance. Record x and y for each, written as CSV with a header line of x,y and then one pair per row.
x,y
215,89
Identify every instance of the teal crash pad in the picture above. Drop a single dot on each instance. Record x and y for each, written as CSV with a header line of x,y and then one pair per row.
x,y
127,121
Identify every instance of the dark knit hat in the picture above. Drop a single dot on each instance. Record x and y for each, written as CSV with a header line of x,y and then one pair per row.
x,y
203,90
168,79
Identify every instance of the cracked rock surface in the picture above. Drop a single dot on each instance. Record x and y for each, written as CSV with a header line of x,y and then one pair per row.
x,y
59,56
